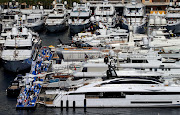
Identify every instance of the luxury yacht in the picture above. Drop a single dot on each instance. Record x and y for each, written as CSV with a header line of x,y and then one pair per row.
x,y
20,48
36,19
102,37
35,22
57,19
79,18
173,19
8,19
150,61
134,15
104,15
120,92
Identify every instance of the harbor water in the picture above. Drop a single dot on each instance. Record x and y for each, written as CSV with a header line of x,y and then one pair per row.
x,y
8,105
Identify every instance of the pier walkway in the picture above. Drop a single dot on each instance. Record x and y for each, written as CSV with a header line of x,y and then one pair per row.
x,y
29,94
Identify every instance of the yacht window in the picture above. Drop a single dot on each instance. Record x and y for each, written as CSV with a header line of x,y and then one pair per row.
x,y
161,66
55,17
150,102
36,19
59,6
6,17
158,0
105,8
133,10
139,61
123,95
60,11
30,20
12,17
105,95
78,18
84,69
130,82
25,47
15,84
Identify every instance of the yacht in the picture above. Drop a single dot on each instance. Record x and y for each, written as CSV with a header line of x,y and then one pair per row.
x,y
57,19
173,19
150,61
8,19
36,20
102,37
79,18
104,15
156,22
20,48
120,92
134,16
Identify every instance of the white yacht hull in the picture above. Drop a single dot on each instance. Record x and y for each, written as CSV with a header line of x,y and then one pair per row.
x,y
128,101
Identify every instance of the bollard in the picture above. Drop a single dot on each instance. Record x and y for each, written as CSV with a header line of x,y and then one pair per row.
x,y
74,105
61,105
67,105
84,105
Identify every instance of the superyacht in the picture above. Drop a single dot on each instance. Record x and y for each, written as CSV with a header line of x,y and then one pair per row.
x,y
79,18
35,20
20,48
120,92
104,14
57,19
173,19
134,15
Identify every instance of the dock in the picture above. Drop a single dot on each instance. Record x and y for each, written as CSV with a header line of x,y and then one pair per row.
x,y
29,94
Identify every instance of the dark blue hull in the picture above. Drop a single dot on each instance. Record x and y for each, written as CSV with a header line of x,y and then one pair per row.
x,y
139,30
56,28
175,28
37,28
78,28
18,65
